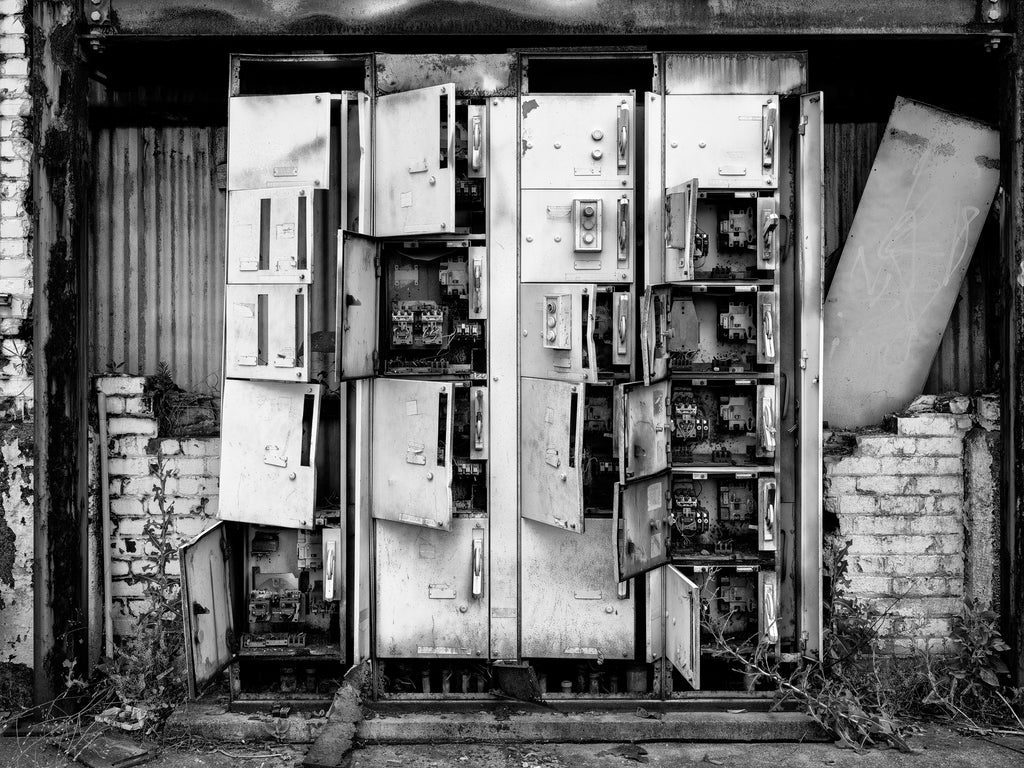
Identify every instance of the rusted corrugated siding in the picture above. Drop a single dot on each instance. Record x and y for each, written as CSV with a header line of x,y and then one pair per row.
x,y
964,362
156,253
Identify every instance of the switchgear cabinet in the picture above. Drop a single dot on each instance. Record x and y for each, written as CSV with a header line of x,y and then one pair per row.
x,y
572,413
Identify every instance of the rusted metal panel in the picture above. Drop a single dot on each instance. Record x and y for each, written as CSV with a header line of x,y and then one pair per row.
x,y
916,228
474,75
966,356
450,17
782,73
156,254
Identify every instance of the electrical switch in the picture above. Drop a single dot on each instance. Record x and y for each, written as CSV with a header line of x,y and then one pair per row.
x,y
558,321
768,505
587,216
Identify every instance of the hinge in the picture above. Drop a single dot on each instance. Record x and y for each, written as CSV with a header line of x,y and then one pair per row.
x,y
802,128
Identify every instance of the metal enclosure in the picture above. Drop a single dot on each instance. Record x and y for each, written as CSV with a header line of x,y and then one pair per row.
x,y
432,591
557,322
268,332
271,235
268,439
414,162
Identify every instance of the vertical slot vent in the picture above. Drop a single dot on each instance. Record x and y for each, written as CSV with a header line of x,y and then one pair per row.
x,y
264,234
308,403
574,403
300,253
300,329
445,128
442,428
262,329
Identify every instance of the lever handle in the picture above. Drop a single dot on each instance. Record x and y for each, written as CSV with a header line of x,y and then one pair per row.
x,y
768,148
767,424
769,515
770,223
623,137
478,273
623,229
476,142
329,568
771,622
478,441
768,330
478,562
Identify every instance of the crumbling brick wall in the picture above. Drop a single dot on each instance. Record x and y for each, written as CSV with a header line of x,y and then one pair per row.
x,y
910,508
17,495
139,460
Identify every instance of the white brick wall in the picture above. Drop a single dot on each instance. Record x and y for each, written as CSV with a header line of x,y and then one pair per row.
x,y
17,505
899,498
136,456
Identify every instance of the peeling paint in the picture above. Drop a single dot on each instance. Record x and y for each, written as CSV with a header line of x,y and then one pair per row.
x,y
528,107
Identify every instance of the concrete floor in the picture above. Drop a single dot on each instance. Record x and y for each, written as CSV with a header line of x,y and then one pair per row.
x,y
939,748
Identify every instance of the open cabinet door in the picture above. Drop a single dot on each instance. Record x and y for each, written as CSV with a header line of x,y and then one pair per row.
x,y
355,338
414,162
682,625
810,228
642,511
268,467
206,606
550,454
654,332
411,452
684,245
356,211
646,430
557,331
279,141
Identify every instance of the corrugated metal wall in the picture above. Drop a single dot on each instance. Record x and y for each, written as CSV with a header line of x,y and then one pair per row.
x,y
157,253
966,360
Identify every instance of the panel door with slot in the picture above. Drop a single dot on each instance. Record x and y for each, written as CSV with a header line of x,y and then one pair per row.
x,y
272,235
206,606
557,331
267,332
414,163
577,235
432,598
646,440
356,317
682,624
577,140
278,141
268,439
725,141
572,605
655,332
551,453
411,452
642,519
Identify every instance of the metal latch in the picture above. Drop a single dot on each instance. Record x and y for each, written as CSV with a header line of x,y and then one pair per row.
x,y
329,568
478,562
476,142
478,275
768,330
767,424
622,136
768,137
622,228
478,439
771,621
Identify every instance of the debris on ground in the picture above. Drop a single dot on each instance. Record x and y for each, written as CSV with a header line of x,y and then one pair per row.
x,y
628,751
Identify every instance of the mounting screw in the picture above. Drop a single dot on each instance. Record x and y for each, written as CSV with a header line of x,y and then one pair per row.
x,y
526,332
95,16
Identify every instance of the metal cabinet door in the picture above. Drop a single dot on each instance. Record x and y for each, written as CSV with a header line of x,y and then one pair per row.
x,y
571,603
655,314
577,235
683,244
432,598
725,141
268,450
279,141
411,452
554,342
645,443
206,606
641,514
356,154
577,140
551,452
267,332
414,162
355,337
767,418
271,235
682,624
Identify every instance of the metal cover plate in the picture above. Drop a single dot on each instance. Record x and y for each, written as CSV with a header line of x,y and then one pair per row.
x,y
206,606
682,625
642,512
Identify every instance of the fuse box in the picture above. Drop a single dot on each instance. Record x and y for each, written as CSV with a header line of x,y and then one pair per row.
x,y
722,421
722,330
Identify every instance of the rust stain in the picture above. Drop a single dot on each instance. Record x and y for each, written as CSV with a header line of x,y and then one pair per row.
x,y
987,162
913,139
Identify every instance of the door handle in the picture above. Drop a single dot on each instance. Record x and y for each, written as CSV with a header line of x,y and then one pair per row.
x,y
476,142
478,440
478,562
769,514
769,225
478,274
771,624
623,136
198,609
329,568
768,424
768,148
768,329
623,229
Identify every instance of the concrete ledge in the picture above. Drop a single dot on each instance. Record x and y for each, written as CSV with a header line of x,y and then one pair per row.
x,y
215,723
484,727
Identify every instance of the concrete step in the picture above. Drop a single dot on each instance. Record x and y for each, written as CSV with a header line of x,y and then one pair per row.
x,y
504,726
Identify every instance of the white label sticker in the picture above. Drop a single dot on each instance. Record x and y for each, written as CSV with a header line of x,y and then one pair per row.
x,y
405,200
411,408
549,415
245,310
286,231
655,494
